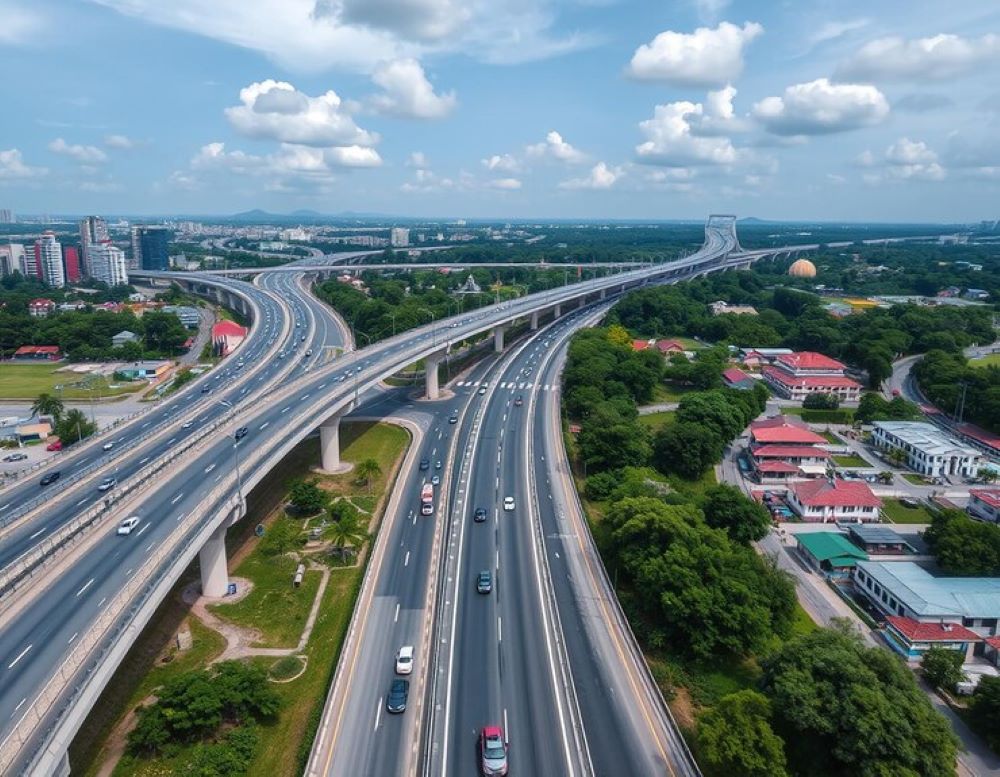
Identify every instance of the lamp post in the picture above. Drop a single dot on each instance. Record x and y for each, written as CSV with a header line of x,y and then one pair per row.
x,y
433,327
236,453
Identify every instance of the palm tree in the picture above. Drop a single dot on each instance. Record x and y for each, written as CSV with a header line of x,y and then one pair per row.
x,y
348,532
897,456
367,470
47,404
987,475
74,426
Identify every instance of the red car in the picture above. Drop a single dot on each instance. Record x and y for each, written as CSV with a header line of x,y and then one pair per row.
x,y
55,445
493,750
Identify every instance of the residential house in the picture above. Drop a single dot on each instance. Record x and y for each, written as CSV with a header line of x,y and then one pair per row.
x,y
719,308
38,353
984,503
978,438
735,378
32,432
669,347
797,375
642,345
188,315
70,307
832,500
976,294
829,553
40,308
928,450
806,460
125,336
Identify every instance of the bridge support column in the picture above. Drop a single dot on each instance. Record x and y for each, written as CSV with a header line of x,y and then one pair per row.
x,y
498,338
604,293
581,302
558,311
212,560
329,443
432,388
534,321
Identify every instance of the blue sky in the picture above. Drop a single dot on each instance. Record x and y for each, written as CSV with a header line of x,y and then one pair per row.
x,y
845,110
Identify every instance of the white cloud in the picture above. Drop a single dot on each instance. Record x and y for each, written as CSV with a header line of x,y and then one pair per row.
x,y
352,156
600,177
670,140
426,20
719,115
504,162
706,57
290,165
837,29
406,92
865,159
506,184
120,142
939,57
820,107
101,187
417,159
20,24
12,166
555,147
913,159
278,111
80,153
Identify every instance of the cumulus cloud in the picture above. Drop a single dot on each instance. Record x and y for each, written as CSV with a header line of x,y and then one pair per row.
x,y
820,107
121,142
83,154
276,110
19,24
503,162
672,141
913,159
936,58
406,92
600,177
506,184
289,164
555,147
707,57
417,159
12,166
425,20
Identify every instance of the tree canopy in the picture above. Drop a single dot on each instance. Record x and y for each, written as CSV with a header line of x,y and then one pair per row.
x,y
735,737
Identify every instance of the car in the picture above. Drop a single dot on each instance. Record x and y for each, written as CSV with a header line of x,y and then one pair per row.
x,y
241,433
303,338
427,508
55,445
437,464
493,751
399,690
480,515
453,326
206,390
187,425
404,660
436,480
281,355
453,419
107,446
484,582
15,457
309,352
49,479
508,503
482,390
125,527
424,464
107,484
519,401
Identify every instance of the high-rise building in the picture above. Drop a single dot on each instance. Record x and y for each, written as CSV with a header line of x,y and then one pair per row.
x,y
150,248
93,229
12,258
7,216
48,255
107,264
399,237
71,264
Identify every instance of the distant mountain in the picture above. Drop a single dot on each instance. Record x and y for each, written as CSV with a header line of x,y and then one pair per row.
x,y
254,215
257,216
305,213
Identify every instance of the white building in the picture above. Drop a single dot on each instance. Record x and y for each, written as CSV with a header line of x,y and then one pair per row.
x,y
12,258
984,503
833,501
50,258
294,233
93,230
929,451
107,264
399,237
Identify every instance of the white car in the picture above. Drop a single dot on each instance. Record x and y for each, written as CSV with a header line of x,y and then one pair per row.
x,y
108,446
128,525
188,425
107,484
508,503
404,660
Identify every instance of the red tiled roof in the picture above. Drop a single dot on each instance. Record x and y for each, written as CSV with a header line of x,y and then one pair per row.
x,y
779,420
789,435
776,466
809,360
228,329
993,642
915,631
640,345
41,302
990,496
669,345
836,493
980,436
27,350
822,381
734,375
790,452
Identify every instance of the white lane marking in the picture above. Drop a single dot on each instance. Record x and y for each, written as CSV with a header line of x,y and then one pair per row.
x,y
378,713
145,526
5,506
395,618
499,629
150,546
40,531
81,501
406,561
505,729
75,635
129,573
20,704
177,498
218,478
171,441
85,586
209,468
264,425
102,602
143,461
22,654
286,409
498,560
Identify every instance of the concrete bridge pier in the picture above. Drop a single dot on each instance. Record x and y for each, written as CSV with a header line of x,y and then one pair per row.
x,y
212,557
604,293
432,388
557,311
533,323
581,302
498,332
329,443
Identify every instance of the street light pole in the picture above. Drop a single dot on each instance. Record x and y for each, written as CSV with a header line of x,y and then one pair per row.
x,y
236,453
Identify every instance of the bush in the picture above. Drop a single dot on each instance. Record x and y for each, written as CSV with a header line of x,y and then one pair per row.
x,y
943,667
821,402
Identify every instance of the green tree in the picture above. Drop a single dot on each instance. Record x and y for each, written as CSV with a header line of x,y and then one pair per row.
x,y
367,470
306,497
348,533
280,537
74,426
735,738
686,449
163,332
618,335
726,507
843,708
342,509
819,401
612,437
47,404
985,713
943,667
964,546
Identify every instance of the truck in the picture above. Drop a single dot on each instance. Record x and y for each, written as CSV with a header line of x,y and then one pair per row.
x,y
427,499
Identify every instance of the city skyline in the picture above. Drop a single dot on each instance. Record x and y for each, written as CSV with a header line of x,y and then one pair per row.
x,y
526,110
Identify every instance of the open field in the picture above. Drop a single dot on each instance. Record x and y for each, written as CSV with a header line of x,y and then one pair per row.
x,y
989,360
895,511
27,381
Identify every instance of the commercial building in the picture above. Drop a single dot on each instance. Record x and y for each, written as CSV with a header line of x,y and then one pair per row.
x,y
984,503
7,216
878,540
832,500
49,260
783,430
911,638
188,315
107,263
399,237
150,248
829,553
12,258
797,375
145,370
929,451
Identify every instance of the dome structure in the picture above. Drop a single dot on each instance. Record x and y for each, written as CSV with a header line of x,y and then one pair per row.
x,y
802,268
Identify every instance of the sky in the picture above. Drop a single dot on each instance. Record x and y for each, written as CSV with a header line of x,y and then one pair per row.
x,y
528,109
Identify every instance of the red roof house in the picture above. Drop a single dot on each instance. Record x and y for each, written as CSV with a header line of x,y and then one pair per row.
x,y
804,362
737,379
38,352
915,631
39,308
831,499
641,345
783,430
669,346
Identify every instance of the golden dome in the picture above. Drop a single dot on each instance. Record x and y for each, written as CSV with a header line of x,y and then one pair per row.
x,y
802,268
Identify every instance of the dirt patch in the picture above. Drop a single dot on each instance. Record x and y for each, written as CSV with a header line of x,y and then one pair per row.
x,y
684,709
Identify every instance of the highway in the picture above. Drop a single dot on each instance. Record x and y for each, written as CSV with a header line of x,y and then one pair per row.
x,y
96,600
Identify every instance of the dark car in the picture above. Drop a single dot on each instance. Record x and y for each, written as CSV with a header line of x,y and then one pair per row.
x,y
15,457
49,479
453,419
425,464
480,515
399,691
484,582
493,751
206,390
241,433
519,401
